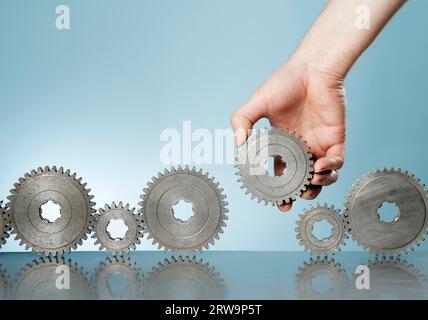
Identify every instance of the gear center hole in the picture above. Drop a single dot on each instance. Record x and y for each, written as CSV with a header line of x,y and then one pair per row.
x,y
50,212
275,166
117,284
322,230
117,229
388,212
183,210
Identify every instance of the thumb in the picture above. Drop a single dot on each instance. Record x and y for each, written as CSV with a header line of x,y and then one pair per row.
x,y
245,117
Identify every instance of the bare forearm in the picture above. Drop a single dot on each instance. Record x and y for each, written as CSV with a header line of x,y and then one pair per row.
x,y
338,38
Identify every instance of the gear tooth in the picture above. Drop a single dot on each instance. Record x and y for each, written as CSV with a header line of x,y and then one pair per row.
x,y
39,171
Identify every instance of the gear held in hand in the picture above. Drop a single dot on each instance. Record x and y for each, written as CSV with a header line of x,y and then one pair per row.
x,y
189,185
252,160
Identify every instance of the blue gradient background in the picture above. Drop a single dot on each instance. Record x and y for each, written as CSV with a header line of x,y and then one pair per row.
x,y
96,98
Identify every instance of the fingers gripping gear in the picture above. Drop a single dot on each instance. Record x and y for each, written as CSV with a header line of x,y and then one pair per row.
x,y
252,158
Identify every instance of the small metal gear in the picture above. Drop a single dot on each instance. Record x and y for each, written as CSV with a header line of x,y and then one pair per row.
x,y
131,220
4,224
392,186
183,278
338,281
209,207
305,226
396,278
42,280
61,187
127,269
252,158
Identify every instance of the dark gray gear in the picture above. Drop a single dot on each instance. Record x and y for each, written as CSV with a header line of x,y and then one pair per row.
x,y
39,280
393,186
253,155
61,187
183,278
131,220
305,226
124,267
338,281
209,207
4,224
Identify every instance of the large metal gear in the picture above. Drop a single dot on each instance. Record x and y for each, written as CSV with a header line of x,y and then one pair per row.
x,y
42,279
62,188
183,184
391,186
183,278
252,159
4,224
114,212
338,282
305,230
128,271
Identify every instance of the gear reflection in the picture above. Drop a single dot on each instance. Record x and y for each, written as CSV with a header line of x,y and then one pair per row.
x,y
50,279
117,278
183,278
394,278
321,278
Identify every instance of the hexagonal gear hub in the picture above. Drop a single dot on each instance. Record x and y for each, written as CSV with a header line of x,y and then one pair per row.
x,y
209,210
252,159
62,188
132,221
364,222
305,230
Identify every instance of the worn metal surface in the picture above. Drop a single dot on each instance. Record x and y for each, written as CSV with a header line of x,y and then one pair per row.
x,y
131,220
252,158
209,207
305,230
4,224
369,193
61,187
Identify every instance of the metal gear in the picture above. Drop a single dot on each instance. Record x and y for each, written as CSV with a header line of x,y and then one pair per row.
x,y
129,272
180,278
396,278
305,226
209,207
338,281
61,187
393,186
39,280
4,224
131,220
252,158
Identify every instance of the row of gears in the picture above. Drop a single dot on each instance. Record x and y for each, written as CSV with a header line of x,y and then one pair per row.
x,y
115,278
362,220
22,215
360,217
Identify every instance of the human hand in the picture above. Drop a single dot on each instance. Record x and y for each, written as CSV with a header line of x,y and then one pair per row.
x,y
308,99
